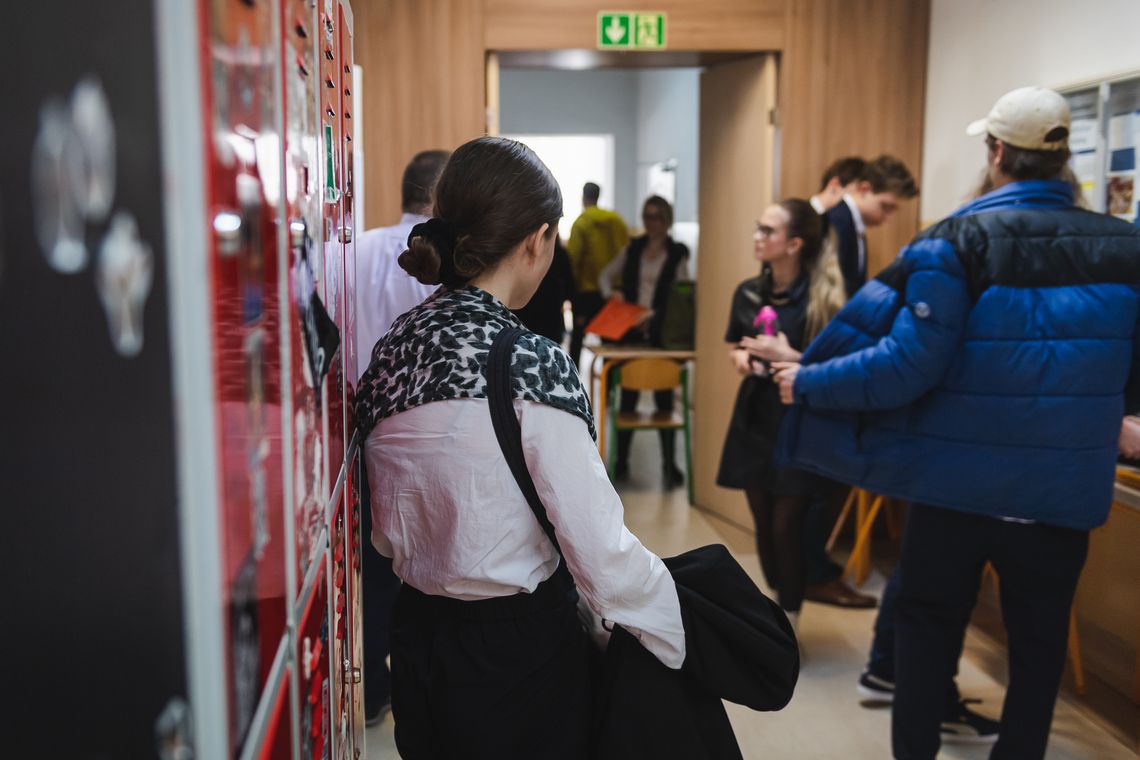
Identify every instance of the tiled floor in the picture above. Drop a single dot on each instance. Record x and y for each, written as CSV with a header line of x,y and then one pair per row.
x,y
824,719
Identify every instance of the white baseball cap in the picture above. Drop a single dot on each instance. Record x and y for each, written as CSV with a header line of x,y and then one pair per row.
x,y
1032,118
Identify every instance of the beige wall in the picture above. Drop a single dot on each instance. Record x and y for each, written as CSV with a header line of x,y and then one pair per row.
x,y
980,49
423,87
571,24
735,179
852,82
852,76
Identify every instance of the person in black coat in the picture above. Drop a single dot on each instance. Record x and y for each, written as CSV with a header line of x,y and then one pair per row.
x,y
649,267
543,315
800,284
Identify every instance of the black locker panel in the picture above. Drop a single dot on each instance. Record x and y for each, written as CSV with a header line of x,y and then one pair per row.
x,y
93,621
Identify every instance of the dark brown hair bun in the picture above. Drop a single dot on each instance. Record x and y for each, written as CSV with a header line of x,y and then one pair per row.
x,y
422,261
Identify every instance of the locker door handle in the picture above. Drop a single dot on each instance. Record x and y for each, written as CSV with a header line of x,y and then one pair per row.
x,y
228,232
297,231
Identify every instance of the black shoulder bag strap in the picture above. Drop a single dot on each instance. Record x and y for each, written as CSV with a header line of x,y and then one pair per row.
x,y
507,428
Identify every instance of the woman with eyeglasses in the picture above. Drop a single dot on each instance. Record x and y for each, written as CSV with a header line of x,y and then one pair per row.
x,y
772,319
647,269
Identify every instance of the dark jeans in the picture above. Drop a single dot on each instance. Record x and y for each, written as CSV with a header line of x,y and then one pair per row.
x,y
882,660
664,402
943,555
585,306
378,588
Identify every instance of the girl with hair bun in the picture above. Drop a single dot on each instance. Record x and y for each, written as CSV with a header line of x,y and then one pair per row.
x,y
488,654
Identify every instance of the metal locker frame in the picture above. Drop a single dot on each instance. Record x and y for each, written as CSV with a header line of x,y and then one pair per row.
x,y
181,71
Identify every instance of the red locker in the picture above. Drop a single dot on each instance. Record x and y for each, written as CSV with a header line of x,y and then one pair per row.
x,y
278,744
332,172
243,189
313,647
303,212
227,519
353,465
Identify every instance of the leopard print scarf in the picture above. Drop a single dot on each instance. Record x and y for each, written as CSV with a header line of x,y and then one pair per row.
x,y
438,352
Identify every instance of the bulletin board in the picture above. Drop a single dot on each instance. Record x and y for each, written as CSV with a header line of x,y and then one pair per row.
x,y
1104,140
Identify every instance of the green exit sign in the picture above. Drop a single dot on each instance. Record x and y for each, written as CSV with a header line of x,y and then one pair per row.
x,y
630,30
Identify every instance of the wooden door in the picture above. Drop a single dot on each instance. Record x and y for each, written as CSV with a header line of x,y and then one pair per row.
x,y
737,149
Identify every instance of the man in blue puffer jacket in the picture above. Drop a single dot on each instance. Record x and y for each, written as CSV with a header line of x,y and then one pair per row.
x,y
983,377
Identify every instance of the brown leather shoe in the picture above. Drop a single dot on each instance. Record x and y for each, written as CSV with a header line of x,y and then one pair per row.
x,y
838,594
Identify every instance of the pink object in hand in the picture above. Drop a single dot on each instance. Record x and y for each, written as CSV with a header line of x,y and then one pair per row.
x,y
767,317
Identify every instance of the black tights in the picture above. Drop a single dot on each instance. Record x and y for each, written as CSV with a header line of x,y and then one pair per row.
x,y
779,541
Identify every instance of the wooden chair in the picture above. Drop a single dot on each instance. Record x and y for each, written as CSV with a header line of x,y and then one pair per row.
x,y
653,375
867,507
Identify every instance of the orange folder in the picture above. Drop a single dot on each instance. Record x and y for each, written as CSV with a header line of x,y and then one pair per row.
x,y
617,318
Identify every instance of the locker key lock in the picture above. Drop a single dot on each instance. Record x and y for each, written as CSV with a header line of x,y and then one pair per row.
x,y
346,234
227,232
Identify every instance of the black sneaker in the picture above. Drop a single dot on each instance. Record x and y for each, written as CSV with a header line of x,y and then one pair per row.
x,y
875,688
967,727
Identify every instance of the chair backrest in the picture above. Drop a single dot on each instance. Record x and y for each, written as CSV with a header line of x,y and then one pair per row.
x,y
650,374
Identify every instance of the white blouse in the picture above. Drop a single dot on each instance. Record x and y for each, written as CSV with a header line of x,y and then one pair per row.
x,y
447,510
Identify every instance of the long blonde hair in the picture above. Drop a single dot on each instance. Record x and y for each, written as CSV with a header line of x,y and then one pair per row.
x,y
826,291
819,258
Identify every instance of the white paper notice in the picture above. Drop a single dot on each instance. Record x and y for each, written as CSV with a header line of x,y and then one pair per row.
x,y
1082,135
1120,132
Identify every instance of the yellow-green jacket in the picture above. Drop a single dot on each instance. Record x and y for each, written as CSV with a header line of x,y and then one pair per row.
x,y
596,238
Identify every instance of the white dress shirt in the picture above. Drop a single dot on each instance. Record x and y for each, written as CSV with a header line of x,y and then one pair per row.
x,y
860,231
384,291
447,510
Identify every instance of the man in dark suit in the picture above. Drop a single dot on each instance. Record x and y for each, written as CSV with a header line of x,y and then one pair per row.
x,y
854,194
838,180
884,183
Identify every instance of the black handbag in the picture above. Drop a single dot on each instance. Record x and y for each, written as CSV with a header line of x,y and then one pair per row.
x,y
739,644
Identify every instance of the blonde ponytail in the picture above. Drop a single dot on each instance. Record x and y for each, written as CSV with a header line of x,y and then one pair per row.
x,y
826,293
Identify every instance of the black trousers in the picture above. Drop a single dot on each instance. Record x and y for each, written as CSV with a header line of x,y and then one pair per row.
x,y
378,587
497,678
820,520
943,555
780,524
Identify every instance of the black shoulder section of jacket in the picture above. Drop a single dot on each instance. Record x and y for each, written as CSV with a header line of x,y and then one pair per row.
x,y
1039,248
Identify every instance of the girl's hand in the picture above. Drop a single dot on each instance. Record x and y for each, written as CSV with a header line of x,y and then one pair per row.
x,y
786,378
1130,438
740,360
771,348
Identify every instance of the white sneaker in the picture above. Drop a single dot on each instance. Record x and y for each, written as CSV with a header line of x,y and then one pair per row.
x,y
875,689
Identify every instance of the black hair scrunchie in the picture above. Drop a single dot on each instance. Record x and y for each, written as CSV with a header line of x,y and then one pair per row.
x,y
443,236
